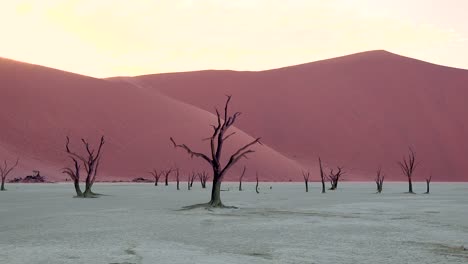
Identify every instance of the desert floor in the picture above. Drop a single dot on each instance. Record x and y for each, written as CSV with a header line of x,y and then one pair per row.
x,y
141,223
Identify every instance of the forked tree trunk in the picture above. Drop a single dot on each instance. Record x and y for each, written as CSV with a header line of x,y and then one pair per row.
x,y
428,182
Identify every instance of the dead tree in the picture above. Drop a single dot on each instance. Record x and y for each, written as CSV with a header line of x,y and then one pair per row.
x,y
306,176
192,178
379,179
217,140
157,175
203,176
256,186
166,176
177,178
428,182
322,176
90,161
408,165
5,170
240,178
335,178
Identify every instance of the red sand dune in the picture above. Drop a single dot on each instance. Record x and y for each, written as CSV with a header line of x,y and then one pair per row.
x,y
360,111
40,106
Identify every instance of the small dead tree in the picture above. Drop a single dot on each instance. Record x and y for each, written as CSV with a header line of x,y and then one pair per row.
x,y
306,176
408,165
335,177
157,175
217,140
256,186
203,176
241,177
192,178
322,176
177,178
90,161
379,179
5,169
166,176
428,182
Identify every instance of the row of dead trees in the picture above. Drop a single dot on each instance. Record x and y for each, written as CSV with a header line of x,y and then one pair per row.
x,y
407,166
202,176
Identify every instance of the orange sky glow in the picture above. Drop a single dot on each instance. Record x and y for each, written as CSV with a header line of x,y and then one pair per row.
x,y
122,37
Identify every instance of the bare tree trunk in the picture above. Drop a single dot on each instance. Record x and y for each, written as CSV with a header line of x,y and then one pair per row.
x,y
240,178
428,182
306,180
76,183
216,191
177,178
2,188
322,176
256,186
410,185
188,182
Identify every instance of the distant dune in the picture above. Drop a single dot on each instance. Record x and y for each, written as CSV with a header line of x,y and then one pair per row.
x,y
360,111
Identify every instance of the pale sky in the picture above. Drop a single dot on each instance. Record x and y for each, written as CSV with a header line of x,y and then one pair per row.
x,y
104,38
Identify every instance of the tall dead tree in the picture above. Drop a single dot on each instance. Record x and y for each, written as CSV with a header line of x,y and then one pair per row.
x,y
306,176
241,177
166,176
5,169
177,178
408,165
379,179
157,175
256,186
335,177
428,182
203,176
217,140
322,176
90,161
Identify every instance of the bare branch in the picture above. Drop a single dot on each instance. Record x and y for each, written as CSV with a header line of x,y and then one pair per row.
x,y
189,151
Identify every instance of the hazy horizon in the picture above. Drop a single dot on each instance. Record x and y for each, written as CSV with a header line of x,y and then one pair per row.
x,y
115,38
